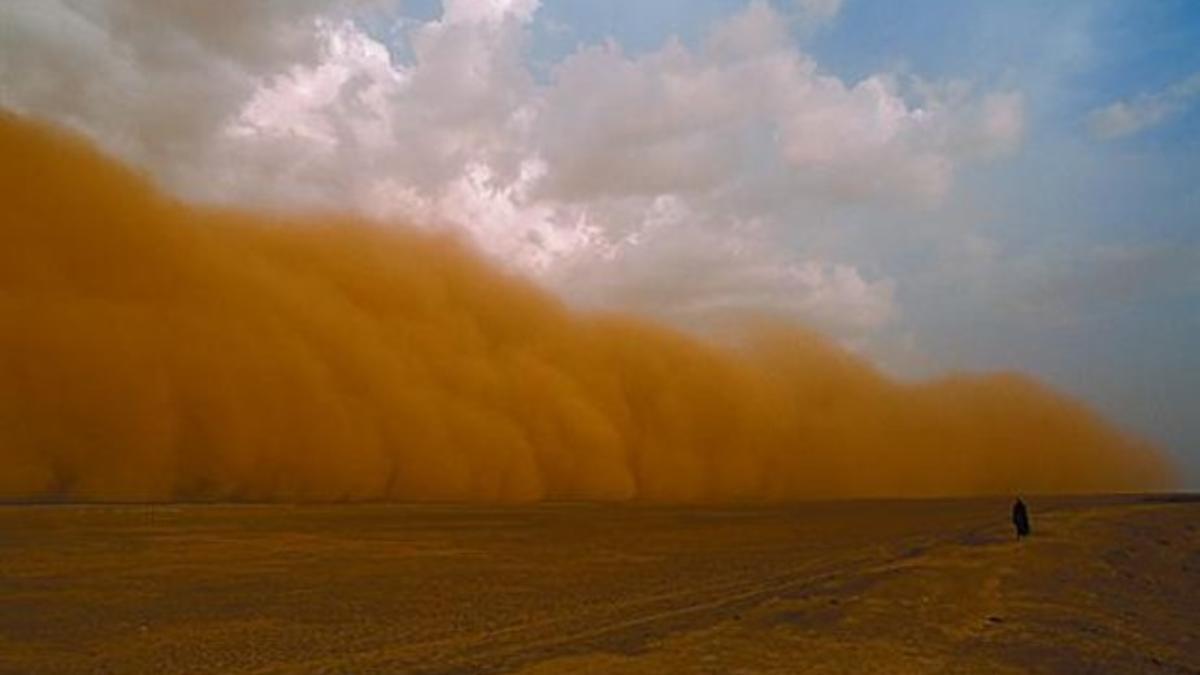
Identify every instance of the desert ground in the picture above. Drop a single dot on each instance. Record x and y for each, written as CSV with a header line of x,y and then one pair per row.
x,y
1106,584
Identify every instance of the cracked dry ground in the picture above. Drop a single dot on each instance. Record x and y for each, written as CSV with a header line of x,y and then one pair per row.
x,y
1105,585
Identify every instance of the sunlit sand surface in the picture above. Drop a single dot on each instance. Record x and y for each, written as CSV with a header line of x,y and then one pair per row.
x,y
1104,585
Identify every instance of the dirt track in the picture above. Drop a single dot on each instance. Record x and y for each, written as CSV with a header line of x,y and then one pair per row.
x,y
924,586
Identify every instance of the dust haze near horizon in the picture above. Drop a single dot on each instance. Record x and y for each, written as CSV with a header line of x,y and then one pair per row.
x,y
151,350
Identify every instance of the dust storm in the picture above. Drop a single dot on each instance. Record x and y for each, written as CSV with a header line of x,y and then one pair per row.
x,y
153,350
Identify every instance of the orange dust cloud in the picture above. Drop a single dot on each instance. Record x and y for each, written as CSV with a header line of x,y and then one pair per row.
x,y
151,350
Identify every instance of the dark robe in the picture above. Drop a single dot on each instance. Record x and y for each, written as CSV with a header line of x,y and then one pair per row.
x,y
1020,518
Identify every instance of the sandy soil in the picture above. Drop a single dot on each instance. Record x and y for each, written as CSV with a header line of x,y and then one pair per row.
x,y
1105,585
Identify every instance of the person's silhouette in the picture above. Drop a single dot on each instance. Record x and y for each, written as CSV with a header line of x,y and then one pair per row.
x,y
1020,518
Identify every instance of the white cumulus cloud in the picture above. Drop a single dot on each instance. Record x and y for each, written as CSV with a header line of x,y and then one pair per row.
x,y
669,181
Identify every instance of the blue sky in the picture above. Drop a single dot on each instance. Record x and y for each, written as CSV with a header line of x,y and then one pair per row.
x,y
1133,353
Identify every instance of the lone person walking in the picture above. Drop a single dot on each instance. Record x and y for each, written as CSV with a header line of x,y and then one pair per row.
x,y
1020,518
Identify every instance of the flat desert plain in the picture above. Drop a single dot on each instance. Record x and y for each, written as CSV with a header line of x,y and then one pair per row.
x,y
1106,584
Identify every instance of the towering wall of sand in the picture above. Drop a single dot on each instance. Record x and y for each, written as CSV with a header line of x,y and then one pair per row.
x,y
151,350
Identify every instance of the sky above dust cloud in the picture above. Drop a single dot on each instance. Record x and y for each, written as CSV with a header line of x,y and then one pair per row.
x,y
943,187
